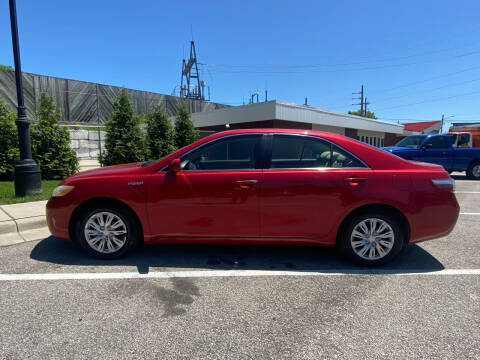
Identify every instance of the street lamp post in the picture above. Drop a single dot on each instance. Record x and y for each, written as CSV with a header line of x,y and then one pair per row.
x,y
27,172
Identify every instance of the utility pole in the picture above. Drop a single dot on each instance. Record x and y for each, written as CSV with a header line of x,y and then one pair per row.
x,y
362,102
365,103
443,118
27,175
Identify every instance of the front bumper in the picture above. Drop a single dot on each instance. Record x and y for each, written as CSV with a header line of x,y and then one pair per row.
x,y
59,213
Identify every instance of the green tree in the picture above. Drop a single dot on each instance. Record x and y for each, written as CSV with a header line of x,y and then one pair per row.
x,y
369,114
185,132
6,67
124,142
160,136
9,153
51,143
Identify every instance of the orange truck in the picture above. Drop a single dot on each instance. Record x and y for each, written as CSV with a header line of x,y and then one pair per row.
x,y
466,135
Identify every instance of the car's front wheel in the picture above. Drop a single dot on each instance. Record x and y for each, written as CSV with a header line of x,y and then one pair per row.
x,y
106,232
372,238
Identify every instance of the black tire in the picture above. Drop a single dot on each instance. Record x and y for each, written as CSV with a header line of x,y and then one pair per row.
x,y
471,174
131,238
399,242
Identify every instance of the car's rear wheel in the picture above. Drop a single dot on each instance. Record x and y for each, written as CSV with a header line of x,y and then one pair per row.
x,y
106,232
473,171
372,238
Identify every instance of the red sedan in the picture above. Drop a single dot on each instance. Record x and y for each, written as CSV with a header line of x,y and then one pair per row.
x,y
260,186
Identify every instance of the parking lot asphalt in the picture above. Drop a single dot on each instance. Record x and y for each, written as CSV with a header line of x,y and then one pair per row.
x,y
245,302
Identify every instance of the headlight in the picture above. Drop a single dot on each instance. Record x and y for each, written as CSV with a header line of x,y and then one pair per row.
x,y
62,190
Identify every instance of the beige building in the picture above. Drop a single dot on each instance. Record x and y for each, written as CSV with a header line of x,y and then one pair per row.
x,y
279,114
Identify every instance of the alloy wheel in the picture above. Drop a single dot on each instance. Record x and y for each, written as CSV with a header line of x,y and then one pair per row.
x,y
372,239
105,232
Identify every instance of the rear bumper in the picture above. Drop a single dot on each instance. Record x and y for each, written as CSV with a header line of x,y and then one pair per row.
x,y
436,219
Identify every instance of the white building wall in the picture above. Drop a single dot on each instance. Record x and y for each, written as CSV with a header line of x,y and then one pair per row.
x,y
374,138
294,112
331,129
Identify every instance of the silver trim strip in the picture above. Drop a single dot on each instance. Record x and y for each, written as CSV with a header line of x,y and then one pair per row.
x,y
450,182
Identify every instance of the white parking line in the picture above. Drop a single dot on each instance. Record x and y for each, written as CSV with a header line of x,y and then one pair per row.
x,y
464,213
467,192
230,273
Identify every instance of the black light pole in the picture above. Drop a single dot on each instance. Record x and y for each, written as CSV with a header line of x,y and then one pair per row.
x,y
28,179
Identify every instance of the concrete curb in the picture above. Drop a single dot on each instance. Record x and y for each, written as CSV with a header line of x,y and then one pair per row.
x,y
23,222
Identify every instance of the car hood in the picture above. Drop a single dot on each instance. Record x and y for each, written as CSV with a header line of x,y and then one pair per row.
x,y
108,171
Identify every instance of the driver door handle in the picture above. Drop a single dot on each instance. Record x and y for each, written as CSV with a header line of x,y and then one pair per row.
x,y
246,184
355,180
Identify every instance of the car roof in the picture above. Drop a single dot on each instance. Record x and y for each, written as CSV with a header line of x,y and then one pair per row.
x,y
277,131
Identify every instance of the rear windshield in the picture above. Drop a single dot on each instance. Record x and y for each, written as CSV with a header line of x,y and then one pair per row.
x,y
412,142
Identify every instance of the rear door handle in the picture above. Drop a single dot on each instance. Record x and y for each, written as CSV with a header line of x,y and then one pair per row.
x,y
246,184
355,180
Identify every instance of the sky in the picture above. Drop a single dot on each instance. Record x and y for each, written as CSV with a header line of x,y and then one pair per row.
x,y
416,59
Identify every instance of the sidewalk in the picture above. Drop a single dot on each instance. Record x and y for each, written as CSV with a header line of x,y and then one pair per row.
x,y
27,221
23,222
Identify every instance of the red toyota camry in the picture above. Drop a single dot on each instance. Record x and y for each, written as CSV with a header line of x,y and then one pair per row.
x,y
260,186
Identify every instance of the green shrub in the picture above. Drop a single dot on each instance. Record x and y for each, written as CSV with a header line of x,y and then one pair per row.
x,y
124,142
9,153
185,132
160,136
51,143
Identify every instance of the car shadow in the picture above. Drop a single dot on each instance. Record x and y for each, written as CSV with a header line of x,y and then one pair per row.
x,y
225,257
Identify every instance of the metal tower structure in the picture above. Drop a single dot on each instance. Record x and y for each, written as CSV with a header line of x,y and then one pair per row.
x,y
191,87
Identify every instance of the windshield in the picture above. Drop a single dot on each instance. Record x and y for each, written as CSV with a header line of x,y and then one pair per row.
x,y
412,142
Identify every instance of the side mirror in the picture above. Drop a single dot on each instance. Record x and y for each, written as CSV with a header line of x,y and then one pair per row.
x,y
175,165
426,146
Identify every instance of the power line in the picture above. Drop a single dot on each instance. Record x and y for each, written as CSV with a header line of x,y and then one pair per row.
x,y
343,104
431,100
376,60
428,79
429,90
336,70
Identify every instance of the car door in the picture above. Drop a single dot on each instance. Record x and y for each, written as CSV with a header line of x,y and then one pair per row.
x,y
436,150
215,195
307,186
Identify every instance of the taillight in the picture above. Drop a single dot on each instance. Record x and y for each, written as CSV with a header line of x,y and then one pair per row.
x,y
447,184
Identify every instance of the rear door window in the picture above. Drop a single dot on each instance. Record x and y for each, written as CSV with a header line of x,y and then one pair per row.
x,y
437,142
296,152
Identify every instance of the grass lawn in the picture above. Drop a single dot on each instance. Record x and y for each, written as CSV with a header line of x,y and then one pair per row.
x,y
7,192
